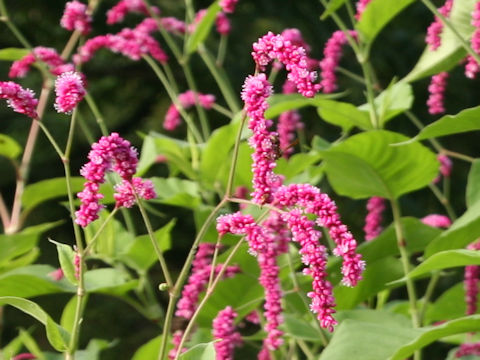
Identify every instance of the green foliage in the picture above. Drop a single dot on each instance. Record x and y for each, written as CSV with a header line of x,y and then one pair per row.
x,y
473,185
203,28
9,148
149,350
200,352
12,54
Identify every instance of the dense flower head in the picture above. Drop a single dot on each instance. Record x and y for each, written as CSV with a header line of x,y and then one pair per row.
x,y
125,192
435,29
361,6
436,220
223,24
472,67
332,54
117,13
19,99
69,90
224,331
436,90
49,56
472,274
373,220
228,6
76,17
272,47
468,349
295,37
186,100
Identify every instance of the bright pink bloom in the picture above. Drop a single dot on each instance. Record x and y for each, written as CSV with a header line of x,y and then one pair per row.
x,y
223,24
19,99
264,354
315,257
332,54
20,68
57,275
49,56
253,317
124,192
176,339
295,37
186,100
436,27
228,6
274,47
110,152
70,90
170,24
361,6
76,17
468,349
224,330
373,220
472,274
24,356
472,67
436,220
123,7
437,89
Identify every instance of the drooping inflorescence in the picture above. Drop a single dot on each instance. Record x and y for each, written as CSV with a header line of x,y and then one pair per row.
x,y
76,17
225,334
436,90
435,29
49,56
69,90
19,99
437,220
373,220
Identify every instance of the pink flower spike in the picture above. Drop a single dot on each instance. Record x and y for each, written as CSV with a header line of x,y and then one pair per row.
x,y
224,330
75,17
361,6
70,90
373,220
468,349
24,356
223,24
19,99
228,6
437,89
435,29
124,192
123,7
436,220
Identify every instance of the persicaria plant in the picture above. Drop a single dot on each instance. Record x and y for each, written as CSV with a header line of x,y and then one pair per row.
x,y
246,180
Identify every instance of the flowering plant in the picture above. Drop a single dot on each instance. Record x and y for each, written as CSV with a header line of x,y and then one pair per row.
x,y
233,239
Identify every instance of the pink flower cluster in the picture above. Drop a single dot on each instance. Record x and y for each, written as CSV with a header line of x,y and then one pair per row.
x,y
445,167
361,6
224,331
472,67
228,6
472,273
170,24
332,54
49,56
123,7
436,27
186,100
373,220
19,99
24,356
272,47
468,349
436,220
69,90
110,153
76,17
437,89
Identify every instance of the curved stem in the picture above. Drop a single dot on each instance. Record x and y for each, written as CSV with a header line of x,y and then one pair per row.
x,y
99,231
444,201
96,112
222,50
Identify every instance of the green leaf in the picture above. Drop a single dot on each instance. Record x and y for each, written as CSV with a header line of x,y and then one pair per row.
x,y
57,336
68,314
380,317
463,231
298,328
393,101
200,352
296,164
109,281
446,260
362,340
464,121
203,28
429,335
150,350
9,350
13,54
177,192
9,147
450,51
473,184
377,14
367,165
140,255
280,103
344,115
45,190
30,281
66,257
332,6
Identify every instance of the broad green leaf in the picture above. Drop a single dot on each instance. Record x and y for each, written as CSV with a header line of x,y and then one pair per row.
x,y
109,281
30,281
396,99
21,261
202,29
150,349
296,164
464,121
66,257
332,6
140,255
177,192
280,103
200,352
375,278
45,190
377,14
380,317
68,314
473,184
362,340
298,328
13,54
463,231
216,155
431,334
450,51
9,147
367,165
344,115
445,260
57,336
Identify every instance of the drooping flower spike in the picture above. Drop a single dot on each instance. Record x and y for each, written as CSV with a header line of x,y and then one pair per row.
x,y
117,13
436,89
225,334
373,220
21,100
435,29
76,17
69,90
49,56
472,67
436,220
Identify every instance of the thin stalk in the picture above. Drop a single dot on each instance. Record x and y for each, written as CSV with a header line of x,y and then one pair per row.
x,y
4,214
351,75
428,295
420,126
85,129
50,139
446,22
151,234
96,112
222,50
370,94
233,167
170,76
223,111
444,201
308,353
100,230
458,156
67,50
214,263
200,110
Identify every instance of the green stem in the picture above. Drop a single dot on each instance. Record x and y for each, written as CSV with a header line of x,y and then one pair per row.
x,y
444,201
446,22
458,155
99,231
96,112
50,138
231,174
308,353
200,110
420,126
223,111
222,50
428,295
